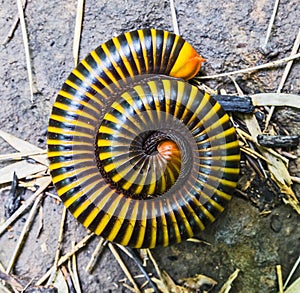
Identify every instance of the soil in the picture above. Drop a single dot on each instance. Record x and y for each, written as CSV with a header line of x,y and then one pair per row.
x,y
230,36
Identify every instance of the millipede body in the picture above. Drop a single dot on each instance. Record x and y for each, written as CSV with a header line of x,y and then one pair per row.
x,y
137,154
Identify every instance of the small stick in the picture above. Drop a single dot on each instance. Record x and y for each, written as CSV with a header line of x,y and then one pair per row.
x,y
13,282
162,279
284,76
250,69
227,285
95,255
155,264
43,184
41,223
279,276
14,26
20,155
132,255
278,141
74,272
123,266
59,242
24,233
174,17
271,23
297,180
65,257
26,45
77,32
292,272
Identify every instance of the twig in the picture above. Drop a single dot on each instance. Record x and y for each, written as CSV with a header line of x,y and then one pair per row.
x,y
95,255
159,273
14,26
123,267
77,31
272,19
43,184
64,258
279,276
20,155
227,286
154,263
174,17
284,76
72,265
41,223
132,255
13,282
59,242
295,266
24,233
26,46
250,69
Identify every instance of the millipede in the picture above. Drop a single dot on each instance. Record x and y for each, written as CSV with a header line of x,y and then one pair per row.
x,y
137,154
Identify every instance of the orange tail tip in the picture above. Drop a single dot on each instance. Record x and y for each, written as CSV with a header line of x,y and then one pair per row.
x,y
188,63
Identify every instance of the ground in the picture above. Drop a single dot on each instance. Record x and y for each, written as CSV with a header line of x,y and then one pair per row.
x,y
230,36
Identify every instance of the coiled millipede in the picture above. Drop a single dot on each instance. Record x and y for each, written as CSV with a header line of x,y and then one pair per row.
x,y
137,154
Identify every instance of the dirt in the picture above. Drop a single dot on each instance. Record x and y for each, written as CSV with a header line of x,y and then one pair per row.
x,y
230,36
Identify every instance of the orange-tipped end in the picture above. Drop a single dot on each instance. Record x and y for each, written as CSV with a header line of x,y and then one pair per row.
x,y
168,150
188,63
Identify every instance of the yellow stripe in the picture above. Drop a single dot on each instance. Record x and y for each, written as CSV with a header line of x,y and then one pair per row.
x,y
79,75
131,225
68,132
219,168
78,182
59,165
184,219
204,210
128,98
144,50
167,90
172,57
114,63
123,56
173,220
214,189
100,79
66,153
91,198
222,134
111,210
133,52
142,226
164,224
153,228
83,103
80,193
74,122
83,92
65,175
163,54
86,203
153,87
120,219
229,145
67,142
205,99
192,212
153,38
105,70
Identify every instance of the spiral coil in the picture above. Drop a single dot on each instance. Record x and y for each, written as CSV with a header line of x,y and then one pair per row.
x,y
139,157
